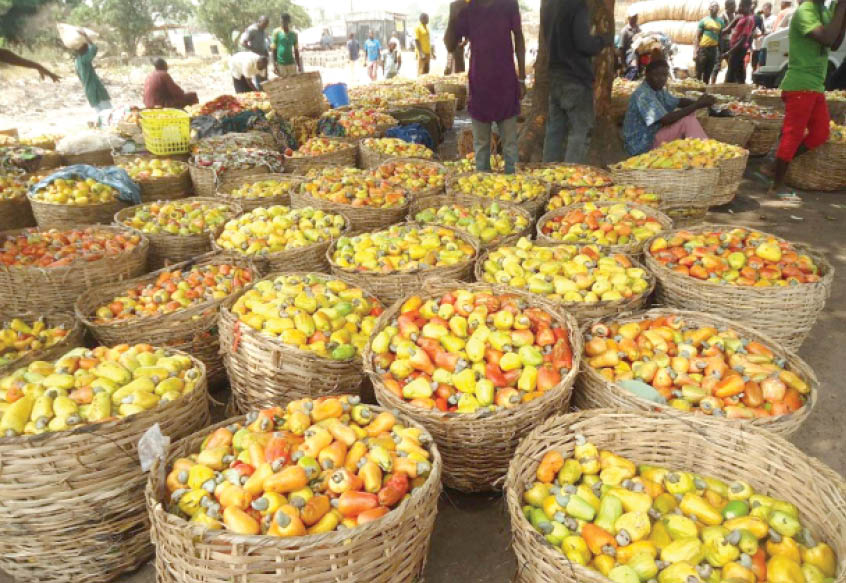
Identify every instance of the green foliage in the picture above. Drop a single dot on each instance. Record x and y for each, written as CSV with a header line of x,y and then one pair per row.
x,y
13,17
222,17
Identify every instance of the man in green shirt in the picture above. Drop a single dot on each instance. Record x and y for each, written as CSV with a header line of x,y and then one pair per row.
x,y
96,93
813,30
285,49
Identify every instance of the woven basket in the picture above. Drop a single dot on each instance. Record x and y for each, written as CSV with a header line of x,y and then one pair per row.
x,y
445,110
310,258
685,216
72,502
534,207
836,110
165,187
731,175
729,130
166,248
765,136
419,204
16,214
247,204
297,95
823,168
73,339
584,312
95,158
55,289
691,187
370,158
390,287
595,391
392,549
459,90
361,219
417,195
635,249
65,216
556,187
618,107
346,156
698,444
264,372
205,179
785,314
477,447
193,329
739,90
770,101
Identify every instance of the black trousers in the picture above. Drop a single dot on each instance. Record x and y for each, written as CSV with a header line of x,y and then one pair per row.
x,y
241,85
705,63
736,68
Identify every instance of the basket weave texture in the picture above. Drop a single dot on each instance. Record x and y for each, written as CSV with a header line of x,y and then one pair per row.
x,y
16,214
534,207
457,89
785,314
361,219
225,189
205,179
477,447
73,339
689,187
770,101
297,95
594,391
731,175
698,444
370,158
392,549
345,156
166,187
823,168
445,109
65,216
55,289
71,502
390,287
95,158
729,130
765,136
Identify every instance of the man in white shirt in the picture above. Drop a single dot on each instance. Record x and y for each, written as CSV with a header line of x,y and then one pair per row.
x,y
247,69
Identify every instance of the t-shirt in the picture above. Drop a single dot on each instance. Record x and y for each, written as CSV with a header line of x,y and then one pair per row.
x,y
643,117
244,65
710,28
807,62
372,49
421,33
353,47
255,40
744,28
283,43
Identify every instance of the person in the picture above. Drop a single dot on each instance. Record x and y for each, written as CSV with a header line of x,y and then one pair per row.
x,y
786,8
626,37
742,29
391,60
10,58
425,50
655,117
571,52
727,16
247,70
496,88
254,38
372,55
455,60
813,31
160,90
285,49
325,39
95,91
353,51
763,21
707,44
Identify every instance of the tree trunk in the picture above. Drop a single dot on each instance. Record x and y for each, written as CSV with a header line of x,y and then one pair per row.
x,y
531,134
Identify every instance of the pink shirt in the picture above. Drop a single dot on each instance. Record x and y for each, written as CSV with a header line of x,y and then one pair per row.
x,y
745,27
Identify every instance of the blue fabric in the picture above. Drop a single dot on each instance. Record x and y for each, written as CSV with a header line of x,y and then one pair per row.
x,y
642,121
414,133
115,177
373,49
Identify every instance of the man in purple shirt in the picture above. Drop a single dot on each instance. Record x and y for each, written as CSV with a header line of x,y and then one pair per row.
x,y
495,90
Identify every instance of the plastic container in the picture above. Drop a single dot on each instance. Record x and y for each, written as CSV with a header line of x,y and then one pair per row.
x,y
166,131
337,95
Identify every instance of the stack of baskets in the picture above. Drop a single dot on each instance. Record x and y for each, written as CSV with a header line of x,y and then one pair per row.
x,y
225,189
296,95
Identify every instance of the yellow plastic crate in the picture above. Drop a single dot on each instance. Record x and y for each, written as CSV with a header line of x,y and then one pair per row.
x,y
166,131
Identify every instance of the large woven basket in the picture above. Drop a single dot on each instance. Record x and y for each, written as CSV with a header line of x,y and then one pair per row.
x,y
445,110
309,258
378,132
765,136
700,444
392,549
73,338
635,248
390,287
534,207
65,216
205,179
193,329
595,391
16,213
296,95
419,204
422,193
225,189
345,156
823,168
166,248
729,130
264,372
72,505
584,312
459,90
785,314
739,90
523,167
55,289
370,158
361,219
477,447
95,158
618,107
690,187
770,101
731,175
165,187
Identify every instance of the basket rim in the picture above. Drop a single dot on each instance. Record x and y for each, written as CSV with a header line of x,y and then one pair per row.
x,y
343,145
617,167
526,167
460,234
295,179
158,179
107,425
353,210
234,211
744,330
362,144
565,385
432,486
826,269
452,180
115,202
71,324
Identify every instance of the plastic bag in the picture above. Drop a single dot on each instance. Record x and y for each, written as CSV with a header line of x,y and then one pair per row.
x,y
72,36
114,176
413,133
88,141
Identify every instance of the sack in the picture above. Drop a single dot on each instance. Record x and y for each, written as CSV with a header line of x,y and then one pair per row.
x,y
425,117
72,36
88,141
114,176
413,133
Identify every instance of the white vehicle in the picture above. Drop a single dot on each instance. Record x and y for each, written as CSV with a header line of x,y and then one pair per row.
x,y
773,60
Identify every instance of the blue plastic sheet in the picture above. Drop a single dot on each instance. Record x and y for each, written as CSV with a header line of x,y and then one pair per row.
x,y
115,177
413,133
